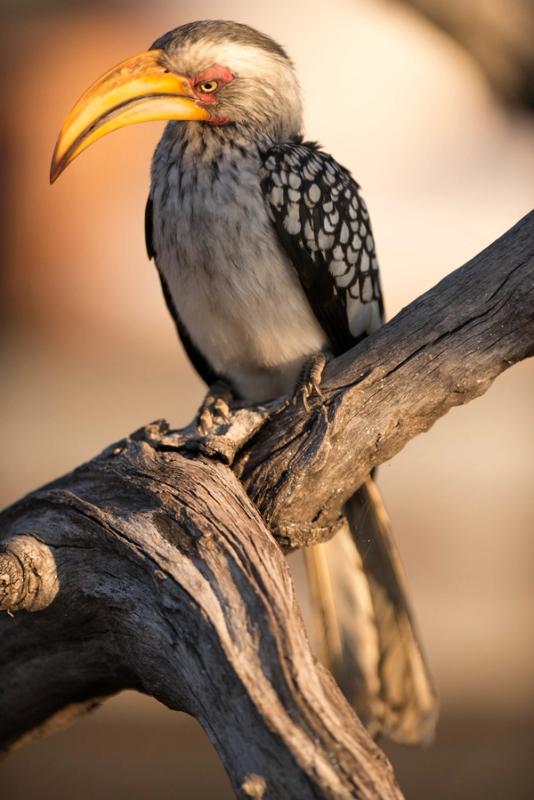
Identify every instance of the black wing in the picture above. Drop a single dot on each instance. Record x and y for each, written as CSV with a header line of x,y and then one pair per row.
x,y
206,372
323,224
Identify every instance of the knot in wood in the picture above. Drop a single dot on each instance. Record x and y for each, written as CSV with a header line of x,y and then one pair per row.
x,y
254,786
28,575
11,581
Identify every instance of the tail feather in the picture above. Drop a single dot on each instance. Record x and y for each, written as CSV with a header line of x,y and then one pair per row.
x,y
364,628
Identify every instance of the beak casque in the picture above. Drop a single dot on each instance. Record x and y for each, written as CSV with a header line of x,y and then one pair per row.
x,y
138,89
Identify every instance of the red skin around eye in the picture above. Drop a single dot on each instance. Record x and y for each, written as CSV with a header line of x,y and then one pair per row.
x,y
214,73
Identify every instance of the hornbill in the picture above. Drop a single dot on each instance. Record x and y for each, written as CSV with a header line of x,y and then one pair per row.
x,y
264,249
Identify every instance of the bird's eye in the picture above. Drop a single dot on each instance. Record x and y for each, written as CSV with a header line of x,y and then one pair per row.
x,y
208,87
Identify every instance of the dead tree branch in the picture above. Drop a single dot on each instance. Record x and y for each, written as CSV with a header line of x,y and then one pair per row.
x,y
443,350
151,568
158,574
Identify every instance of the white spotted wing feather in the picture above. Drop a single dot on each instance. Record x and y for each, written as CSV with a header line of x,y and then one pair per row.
x,y
323,223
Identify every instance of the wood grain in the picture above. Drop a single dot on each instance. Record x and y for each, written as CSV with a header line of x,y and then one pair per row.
x,y
159,565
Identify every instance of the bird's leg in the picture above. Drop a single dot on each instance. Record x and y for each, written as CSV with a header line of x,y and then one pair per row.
x,y
215,408
309,382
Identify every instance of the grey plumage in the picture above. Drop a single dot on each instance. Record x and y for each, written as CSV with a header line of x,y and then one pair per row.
x,y
216,32
266,255
232,285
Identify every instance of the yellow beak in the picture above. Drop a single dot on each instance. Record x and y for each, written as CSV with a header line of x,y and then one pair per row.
x,y
138,89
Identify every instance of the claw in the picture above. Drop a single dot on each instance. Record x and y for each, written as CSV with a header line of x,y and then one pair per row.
x,y
309,383
222,410
205,422
215,409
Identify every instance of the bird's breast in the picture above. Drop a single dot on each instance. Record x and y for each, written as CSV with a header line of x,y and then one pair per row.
x,y
233,287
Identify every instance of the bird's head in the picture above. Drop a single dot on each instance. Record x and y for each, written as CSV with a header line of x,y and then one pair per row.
x,y
209,72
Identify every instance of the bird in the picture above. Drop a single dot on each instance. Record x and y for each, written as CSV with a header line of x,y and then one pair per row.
x,y
267,261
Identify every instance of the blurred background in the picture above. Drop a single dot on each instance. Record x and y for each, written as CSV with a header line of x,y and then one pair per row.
x,y
430,104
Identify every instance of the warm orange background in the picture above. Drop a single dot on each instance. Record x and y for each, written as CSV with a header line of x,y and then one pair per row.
x,y
89,354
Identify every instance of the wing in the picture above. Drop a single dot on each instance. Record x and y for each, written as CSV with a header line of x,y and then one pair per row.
x,y
206,372
323,224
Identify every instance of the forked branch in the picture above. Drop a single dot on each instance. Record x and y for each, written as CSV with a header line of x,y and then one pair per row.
x,y
152,566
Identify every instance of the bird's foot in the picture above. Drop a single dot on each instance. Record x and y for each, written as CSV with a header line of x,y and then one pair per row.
x,y
309,383
215,408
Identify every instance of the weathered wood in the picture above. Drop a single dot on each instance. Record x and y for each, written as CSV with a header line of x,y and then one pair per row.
x,y
151,568
442,350
169,582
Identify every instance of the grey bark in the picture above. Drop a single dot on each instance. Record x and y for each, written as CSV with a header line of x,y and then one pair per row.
x,y
153,567
153,571
442,350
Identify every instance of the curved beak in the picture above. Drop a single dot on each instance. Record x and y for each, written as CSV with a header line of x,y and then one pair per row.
x,y
138,89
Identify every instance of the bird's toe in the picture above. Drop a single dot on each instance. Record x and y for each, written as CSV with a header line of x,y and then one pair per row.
x,y
215,409
309,383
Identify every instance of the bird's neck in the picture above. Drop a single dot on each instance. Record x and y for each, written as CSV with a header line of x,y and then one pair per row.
x,y
191,145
